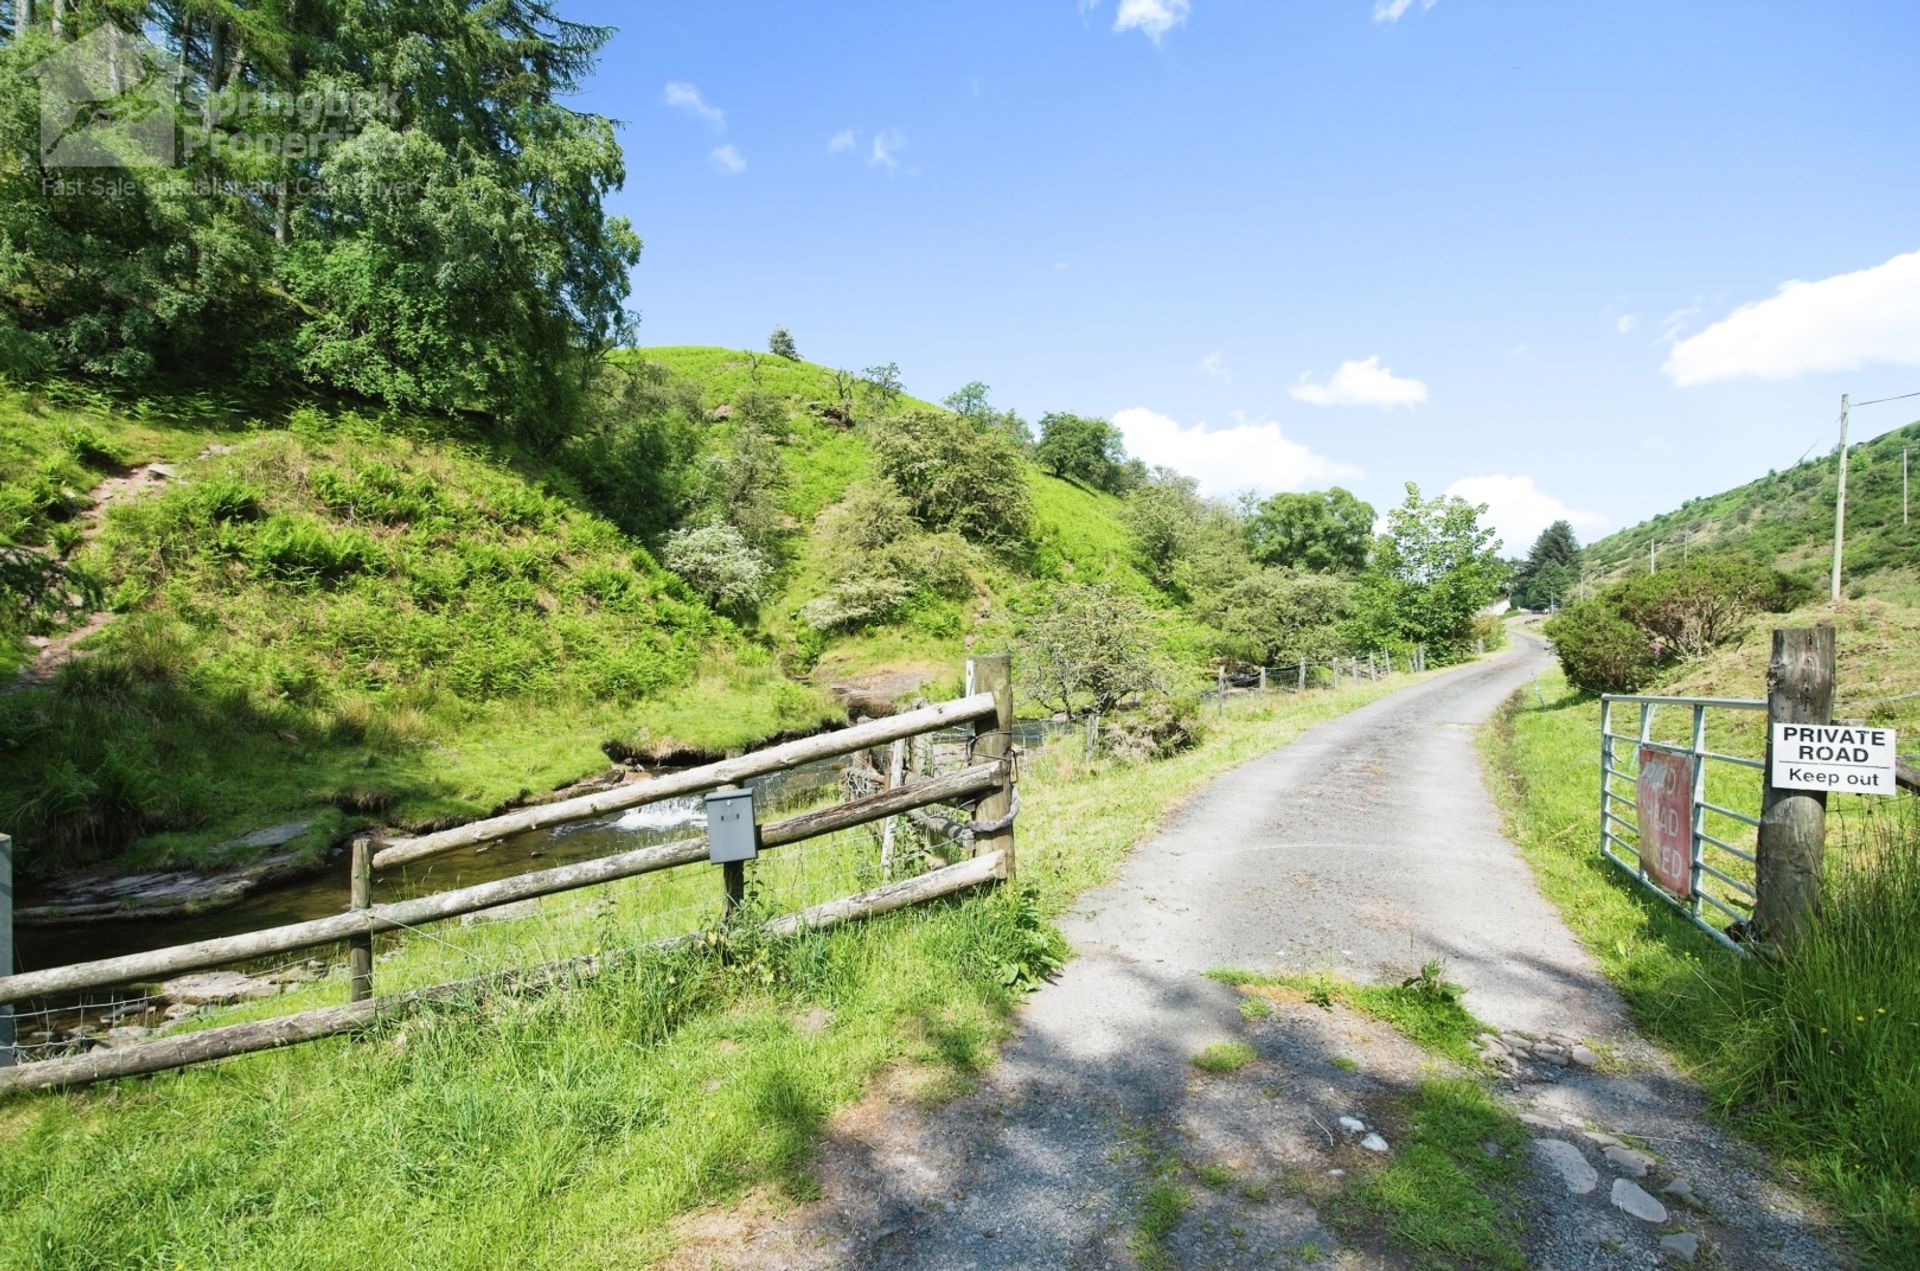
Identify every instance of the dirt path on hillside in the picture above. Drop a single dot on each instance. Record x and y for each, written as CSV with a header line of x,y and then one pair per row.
x,y
1366,847
53,652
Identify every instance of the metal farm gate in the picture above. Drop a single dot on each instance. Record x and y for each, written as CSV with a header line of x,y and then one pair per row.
x,y
1662,828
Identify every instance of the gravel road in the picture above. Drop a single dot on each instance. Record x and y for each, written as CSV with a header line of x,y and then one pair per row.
x,y
1365,847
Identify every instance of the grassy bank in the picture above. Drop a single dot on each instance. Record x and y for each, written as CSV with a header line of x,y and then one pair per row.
x,y
573,1128
1817,1057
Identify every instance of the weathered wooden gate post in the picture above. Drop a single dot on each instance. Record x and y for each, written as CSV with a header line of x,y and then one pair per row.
x,y
1303,676
1793,823
993,673
1263,680
6,946
360,896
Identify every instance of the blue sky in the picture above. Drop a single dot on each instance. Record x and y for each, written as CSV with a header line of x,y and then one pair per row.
x,y
1530,251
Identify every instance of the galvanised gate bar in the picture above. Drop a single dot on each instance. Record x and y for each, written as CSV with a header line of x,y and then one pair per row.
x,y
1662,827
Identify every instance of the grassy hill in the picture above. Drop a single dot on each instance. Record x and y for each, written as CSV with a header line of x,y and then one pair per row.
x,y
1785,519
326,611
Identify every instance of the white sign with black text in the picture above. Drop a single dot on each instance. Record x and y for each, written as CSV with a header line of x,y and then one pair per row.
x,y
1848,758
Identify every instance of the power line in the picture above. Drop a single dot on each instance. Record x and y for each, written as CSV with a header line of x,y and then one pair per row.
x,y
1876,401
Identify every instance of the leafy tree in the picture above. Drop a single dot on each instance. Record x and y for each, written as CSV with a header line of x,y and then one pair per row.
x,y
1549,586
1160,516
453,252
881,561
971,400
1081,448
1194,549
1091,649
955,476
633,451
1326,532
1275,616
1432,571
744,478
781,344
883,383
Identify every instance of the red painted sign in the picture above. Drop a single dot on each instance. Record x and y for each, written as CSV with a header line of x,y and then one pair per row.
x,y
1664,800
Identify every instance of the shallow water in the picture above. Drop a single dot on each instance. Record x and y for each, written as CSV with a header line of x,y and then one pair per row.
x,y
326,893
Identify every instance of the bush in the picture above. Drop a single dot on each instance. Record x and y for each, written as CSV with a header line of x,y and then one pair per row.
x,y
882,562
1600,650
956,476
718,563
1687,611
781,344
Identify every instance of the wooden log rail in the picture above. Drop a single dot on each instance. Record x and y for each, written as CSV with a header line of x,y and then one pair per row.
x,y
328,1021
154,964
877,732
1907,776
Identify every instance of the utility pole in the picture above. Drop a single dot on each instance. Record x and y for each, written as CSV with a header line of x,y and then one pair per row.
x,y
1653,559
1840,502
1903,483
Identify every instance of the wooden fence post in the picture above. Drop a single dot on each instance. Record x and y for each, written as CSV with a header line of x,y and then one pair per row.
x,y
6,946
896,777
993,673
1303,676
1793,823
1263,680
360,947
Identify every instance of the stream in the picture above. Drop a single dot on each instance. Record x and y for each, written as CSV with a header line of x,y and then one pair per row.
x,y
325,893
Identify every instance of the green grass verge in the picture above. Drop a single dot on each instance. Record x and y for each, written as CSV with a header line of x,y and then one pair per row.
x,y
574,1127
1817,1057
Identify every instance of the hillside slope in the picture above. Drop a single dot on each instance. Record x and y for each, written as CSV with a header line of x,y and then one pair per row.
x,y
1785,519
333,614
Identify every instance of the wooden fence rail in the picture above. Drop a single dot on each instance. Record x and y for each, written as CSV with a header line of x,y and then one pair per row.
x,y
157,963
845,741
331,1021
986,782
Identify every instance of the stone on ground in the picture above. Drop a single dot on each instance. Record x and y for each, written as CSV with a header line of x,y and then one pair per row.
x,y
1632,1198
1579,1176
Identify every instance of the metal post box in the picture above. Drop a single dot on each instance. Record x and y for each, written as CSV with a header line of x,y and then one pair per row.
x,y
732,833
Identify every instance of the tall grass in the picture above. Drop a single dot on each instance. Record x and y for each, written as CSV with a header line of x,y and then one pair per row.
x,y
1815,1055
1822,1048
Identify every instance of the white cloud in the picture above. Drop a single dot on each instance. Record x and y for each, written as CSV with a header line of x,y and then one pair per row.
x,y
1518,510
1391,11
1227,460
686,97
1361,383
727,160
843,140
1215,364
886,149
1153,17
1840,323
1625,323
